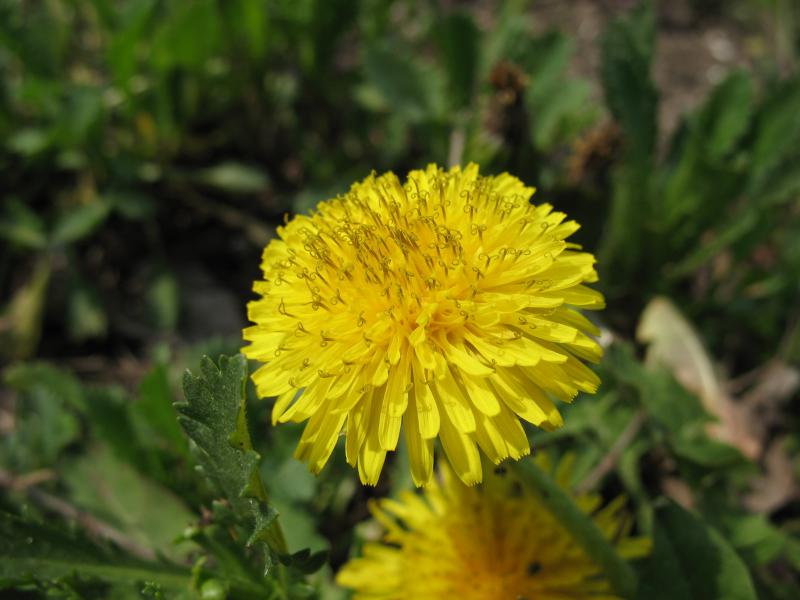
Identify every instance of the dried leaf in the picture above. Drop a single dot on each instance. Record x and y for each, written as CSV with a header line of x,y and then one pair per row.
x,y
674,344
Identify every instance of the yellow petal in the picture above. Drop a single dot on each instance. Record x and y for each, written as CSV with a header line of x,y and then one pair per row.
x,y
462,453
450,397
394,403
481,394
420,450
427,410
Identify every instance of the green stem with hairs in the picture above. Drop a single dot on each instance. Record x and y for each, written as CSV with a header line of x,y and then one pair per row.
x,y
581,526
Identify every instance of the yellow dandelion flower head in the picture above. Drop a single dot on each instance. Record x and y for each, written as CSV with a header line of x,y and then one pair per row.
x,y
493,541
443,306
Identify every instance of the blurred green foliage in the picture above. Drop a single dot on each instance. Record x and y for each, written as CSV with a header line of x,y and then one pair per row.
x,y
149,148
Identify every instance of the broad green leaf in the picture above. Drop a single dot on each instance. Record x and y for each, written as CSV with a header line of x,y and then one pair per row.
x,y
79,222
662,577
144,511
109,412
692,561
664,398
627,52
214,416
36,552
755,537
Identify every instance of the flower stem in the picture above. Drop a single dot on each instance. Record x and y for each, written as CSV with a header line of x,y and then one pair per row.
x,y
620,574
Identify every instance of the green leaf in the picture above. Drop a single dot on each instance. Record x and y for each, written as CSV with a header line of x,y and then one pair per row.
x,y
691,560
77,223
109,412
234,177
404,85
188,35
725,117
631,191
665,400
24,313
726,236
557,104
144,511
627,51
29,141
155,409
214,416
510,32
36,552
163,301
778,131
86,317
458,40
22,226
562,115
131,204
45,421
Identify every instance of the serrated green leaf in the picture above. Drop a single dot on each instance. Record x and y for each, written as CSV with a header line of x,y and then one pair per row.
x,y
214,417
36,552
627,51
726,115
778,131
45,421
692,561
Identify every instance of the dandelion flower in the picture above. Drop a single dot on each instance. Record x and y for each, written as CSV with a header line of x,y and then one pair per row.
x,y
494,541
443,306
